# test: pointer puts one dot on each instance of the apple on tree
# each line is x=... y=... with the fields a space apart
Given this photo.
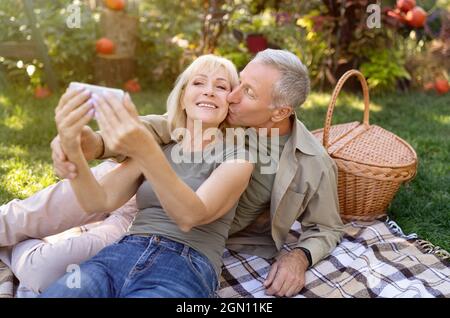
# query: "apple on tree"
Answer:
x=105 y=46
x=132 y=86
x=117 y=5
x=41 y=92
x=441 y=85
x=416 y=17
x=406 y=5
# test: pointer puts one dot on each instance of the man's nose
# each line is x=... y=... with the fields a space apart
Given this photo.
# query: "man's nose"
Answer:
x=233 y=97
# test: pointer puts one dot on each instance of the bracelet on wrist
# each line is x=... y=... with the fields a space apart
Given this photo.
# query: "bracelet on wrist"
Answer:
x=307 y=254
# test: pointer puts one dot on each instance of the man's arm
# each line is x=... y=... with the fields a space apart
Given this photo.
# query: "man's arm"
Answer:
x=322 y=231
x=321 y=223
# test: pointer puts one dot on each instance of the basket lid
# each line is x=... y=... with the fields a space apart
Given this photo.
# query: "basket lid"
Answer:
x=363 y=143
x=370 y=145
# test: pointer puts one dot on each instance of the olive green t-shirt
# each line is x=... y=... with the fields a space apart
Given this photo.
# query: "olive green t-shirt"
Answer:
x=256 y=198
x=208 y=239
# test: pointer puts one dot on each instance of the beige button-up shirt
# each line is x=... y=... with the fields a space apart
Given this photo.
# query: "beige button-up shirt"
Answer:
x=304 y=189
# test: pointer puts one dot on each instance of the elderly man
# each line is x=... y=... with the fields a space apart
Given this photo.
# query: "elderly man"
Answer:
x=303 y=186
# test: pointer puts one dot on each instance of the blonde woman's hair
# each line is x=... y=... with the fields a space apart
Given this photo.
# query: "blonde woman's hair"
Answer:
x=205 y=63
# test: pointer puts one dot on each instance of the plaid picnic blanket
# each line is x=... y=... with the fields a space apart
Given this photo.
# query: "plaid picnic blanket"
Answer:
x=375 y=259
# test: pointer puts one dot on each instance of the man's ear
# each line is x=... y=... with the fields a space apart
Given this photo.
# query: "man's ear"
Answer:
x=280 y=113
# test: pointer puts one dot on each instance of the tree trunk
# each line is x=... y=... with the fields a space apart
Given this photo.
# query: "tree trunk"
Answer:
x=115 y=69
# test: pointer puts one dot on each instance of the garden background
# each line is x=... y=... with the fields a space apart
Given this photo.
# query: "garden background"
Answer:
x=406 y=61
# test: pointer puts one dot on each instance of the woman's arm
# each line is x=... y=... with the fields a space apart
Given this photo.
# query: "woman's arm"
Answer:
x=111 y=192
x=72 y=113
x=124 y=133
x=214 y=198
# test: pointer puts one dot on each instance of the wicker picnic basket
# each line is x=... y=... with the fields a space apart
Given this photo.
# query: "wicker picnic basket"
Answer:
x=372 y=162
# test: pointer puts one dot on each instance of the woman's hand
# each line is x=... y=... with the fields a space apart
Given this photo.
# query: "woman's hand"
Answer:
x=73 y=112
x=121 y=129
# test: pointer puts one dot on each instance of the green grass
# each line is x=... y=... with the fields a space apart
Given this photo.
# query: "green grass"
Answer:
x=26 y=129
x=422 y=206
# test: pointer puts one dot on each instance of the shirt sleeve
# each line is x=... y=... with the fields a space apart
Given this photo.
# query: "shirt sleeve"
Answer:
x=237 y=152
x=321 y=222
x=158 y=127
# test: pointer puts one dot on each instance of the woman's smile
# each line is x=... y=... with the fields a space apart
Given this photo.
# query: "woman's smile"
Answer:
x=207 y=105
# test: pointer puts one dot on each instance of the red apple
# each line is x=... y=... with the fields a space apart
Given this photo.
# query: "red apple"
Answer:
x=397 y=14
x=406 y=5
x=117 y=5
x=416 y=17
x=442 y=86
x=105 y=46
x=132 y=86
x=41 y=92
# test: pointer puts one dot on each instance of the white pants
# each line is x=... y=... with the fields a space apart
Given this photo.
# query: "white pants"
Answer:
x=44 y=234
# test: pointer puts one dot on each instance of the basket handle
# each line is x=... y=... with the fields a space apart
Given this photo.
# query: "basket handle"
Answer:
x=337 y=90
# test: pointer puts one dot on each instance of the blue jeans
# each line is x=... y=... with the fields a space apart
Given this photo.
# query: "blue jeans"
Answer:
x=141 y=266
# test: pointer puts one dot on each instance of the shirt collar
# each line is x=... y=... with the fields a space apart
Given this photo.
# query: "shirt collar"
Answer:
x=302 y=138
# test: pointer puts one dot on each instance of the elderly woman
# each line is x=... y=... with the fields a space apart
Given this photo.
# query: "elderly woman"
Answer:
x=175 y=244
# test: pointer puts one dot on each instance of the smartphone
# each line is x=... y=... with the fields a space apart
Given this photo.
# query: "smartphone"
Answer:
x=95 y=89
x=98 y=89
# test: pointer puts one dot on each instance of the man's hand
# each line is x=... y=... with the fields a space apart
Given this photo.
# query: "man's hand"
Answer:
x=287 y=274
x=91 y=144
